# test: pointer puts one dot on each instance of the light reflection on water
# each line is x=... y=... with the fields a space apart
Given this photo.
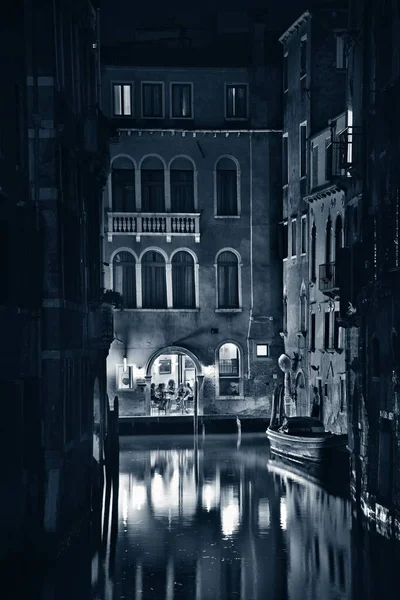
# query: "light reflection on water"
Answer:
x=215 y=521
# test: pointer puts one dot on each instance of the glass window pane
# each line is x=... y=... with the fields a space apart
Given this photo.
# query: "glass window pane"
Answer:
x=117 y=100
x=127 y=100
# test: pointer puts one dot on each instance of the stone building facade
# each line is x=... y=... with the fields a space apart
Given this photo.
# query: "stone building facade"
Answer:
x=53 y=161
x=189 y=214
x=313 y=93
x=368 y=274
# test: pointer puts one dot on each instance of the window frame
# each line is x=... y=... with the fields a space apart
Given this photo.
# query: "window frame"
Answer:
x=303 y=44
x=240 y=372
x=168 y=290
x=132 y=98
x=302 y=151
x=261 y=356
x=238 y=188
x=150 y=82
x=235 y=84
x=341 y=58
x=195 y=286
x=117 y=378
x=303 y=238
x=113 y=273
x=171 y=104
x=239 y=308
x=285 y=160
x=293 y=221
x=285 y=240
x=285 y=73
x=314 y=165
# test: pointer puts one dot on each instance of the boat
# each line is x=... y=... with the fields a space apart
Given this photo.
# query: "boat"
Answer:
x=304 y=439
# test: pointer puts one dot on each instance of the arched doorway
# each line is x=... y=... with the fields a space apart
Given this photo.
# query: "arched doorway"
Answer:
x=173 y=375
x=301 y=395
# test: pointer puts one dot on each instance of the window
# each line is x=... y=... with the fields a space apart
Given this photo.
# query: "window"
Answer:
x=341 y=51
x=302 y=310
x=227 y=188
x=328 y=159
x=262 y=350
x=285 y=313
x=183 y=288
x=124 y=278
x=122 y=99
x=152 y=100
x=123 y=185
x=236 y=101
x=294 y=237
x=327 y=330
x=124 y=377
x=338 y=235
x=181 y=101
x=312 y=331
x=229 y=370
x=328 y=241
x=303 y=150
x=303 y=234
x=182 y=186
x=154 y=287
x=303 y=57
x=285 y=73
x=337 y=332
x=152 y=182
x=313 y=252
x=314 y=165
x=285 y=160
x=228 y=280
x=342 y=393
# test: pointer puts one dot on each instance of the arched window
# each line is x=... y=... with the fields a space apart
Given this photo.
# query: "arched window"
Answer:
x=302 y=310
x=328 y=241
x=182 y=186
x=152 y=185
x=227 y=188
x=285 y=312
x=124 y=278
x=154 y=289
x=313 y=252
x=183 y=288
x=123 y=185
x=375 y=357
x=338 y=235
x=229 y=370
x=228 y=280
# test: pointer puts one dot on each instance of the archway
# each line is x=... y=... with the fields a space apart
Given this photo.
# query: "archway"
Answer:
x=173 y=376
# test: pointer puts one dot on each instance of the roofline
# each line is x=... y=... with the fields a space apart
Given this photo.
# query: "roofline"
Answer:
x=295 y=26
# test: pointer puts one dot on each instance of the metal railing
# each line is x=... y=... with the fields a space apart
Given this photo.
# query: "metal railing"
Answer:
x=346 y=152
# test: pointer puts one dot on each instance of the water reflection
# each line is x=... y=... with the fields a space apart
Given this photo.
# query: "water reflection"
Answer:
x=214 y=521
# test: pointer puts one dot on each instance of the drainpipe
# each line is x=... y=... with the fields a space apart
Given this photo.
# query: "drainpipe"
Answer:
x=251 y=256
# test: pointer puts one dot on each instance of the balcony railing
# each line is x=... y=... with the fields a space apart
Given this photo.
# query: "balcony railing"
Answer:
x=327 y=279
x=161 y=224
x=346 y=153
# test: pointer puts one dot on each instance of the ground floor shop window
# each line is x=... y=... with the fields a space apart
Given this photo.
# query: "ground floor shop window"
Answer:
x=229 y=370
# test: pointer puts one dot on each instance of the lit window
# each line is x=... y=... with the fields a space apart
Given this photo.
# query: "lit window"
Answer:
x=262 y=350
x=229 y=370
x=122 y=99
x=124 y=377
x=181 y=99
x=236 y=101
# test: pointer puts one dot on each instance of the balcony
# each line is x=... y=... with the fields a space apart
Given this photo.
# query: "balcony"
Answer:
x=345 y=154
x=327 y=280
x=140 y=224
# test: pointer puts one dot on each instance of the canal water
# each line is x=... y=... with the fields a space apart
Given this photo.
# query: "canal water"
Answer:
x=218 y=519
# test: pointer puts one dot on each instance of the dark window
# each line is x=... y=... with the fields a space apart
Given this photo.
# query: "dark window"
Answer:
x=181 y=101
x=153 y=197
x=303 y=235
x=294 y=237
x=313 y=252
x=338 y=235
x=229 y=370
x=152 y=100
x=182 y=191
x=336 y=331
x=385 y=468
x=123 y=190
x=227 y=196
x=228 y=280
x=341 y=51
x=285 y=239
x=313 y=332
x=328 y=159
x=328 y=241
x=285 y=73
x=303 y=150
x=303 y=57
x=154 y=288
x=327 y=331
x=314 y=163
x=285 y=314
x=285 y=160
x=183 y=287
x=122 y=98
x=236 y=101
x=124 y=278
x=303 y=311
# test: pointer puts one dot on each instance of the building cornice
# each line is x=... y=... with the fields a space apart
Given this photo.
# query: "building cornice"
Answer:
x=294 y=27
x=321 y=193
x=128 y=131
